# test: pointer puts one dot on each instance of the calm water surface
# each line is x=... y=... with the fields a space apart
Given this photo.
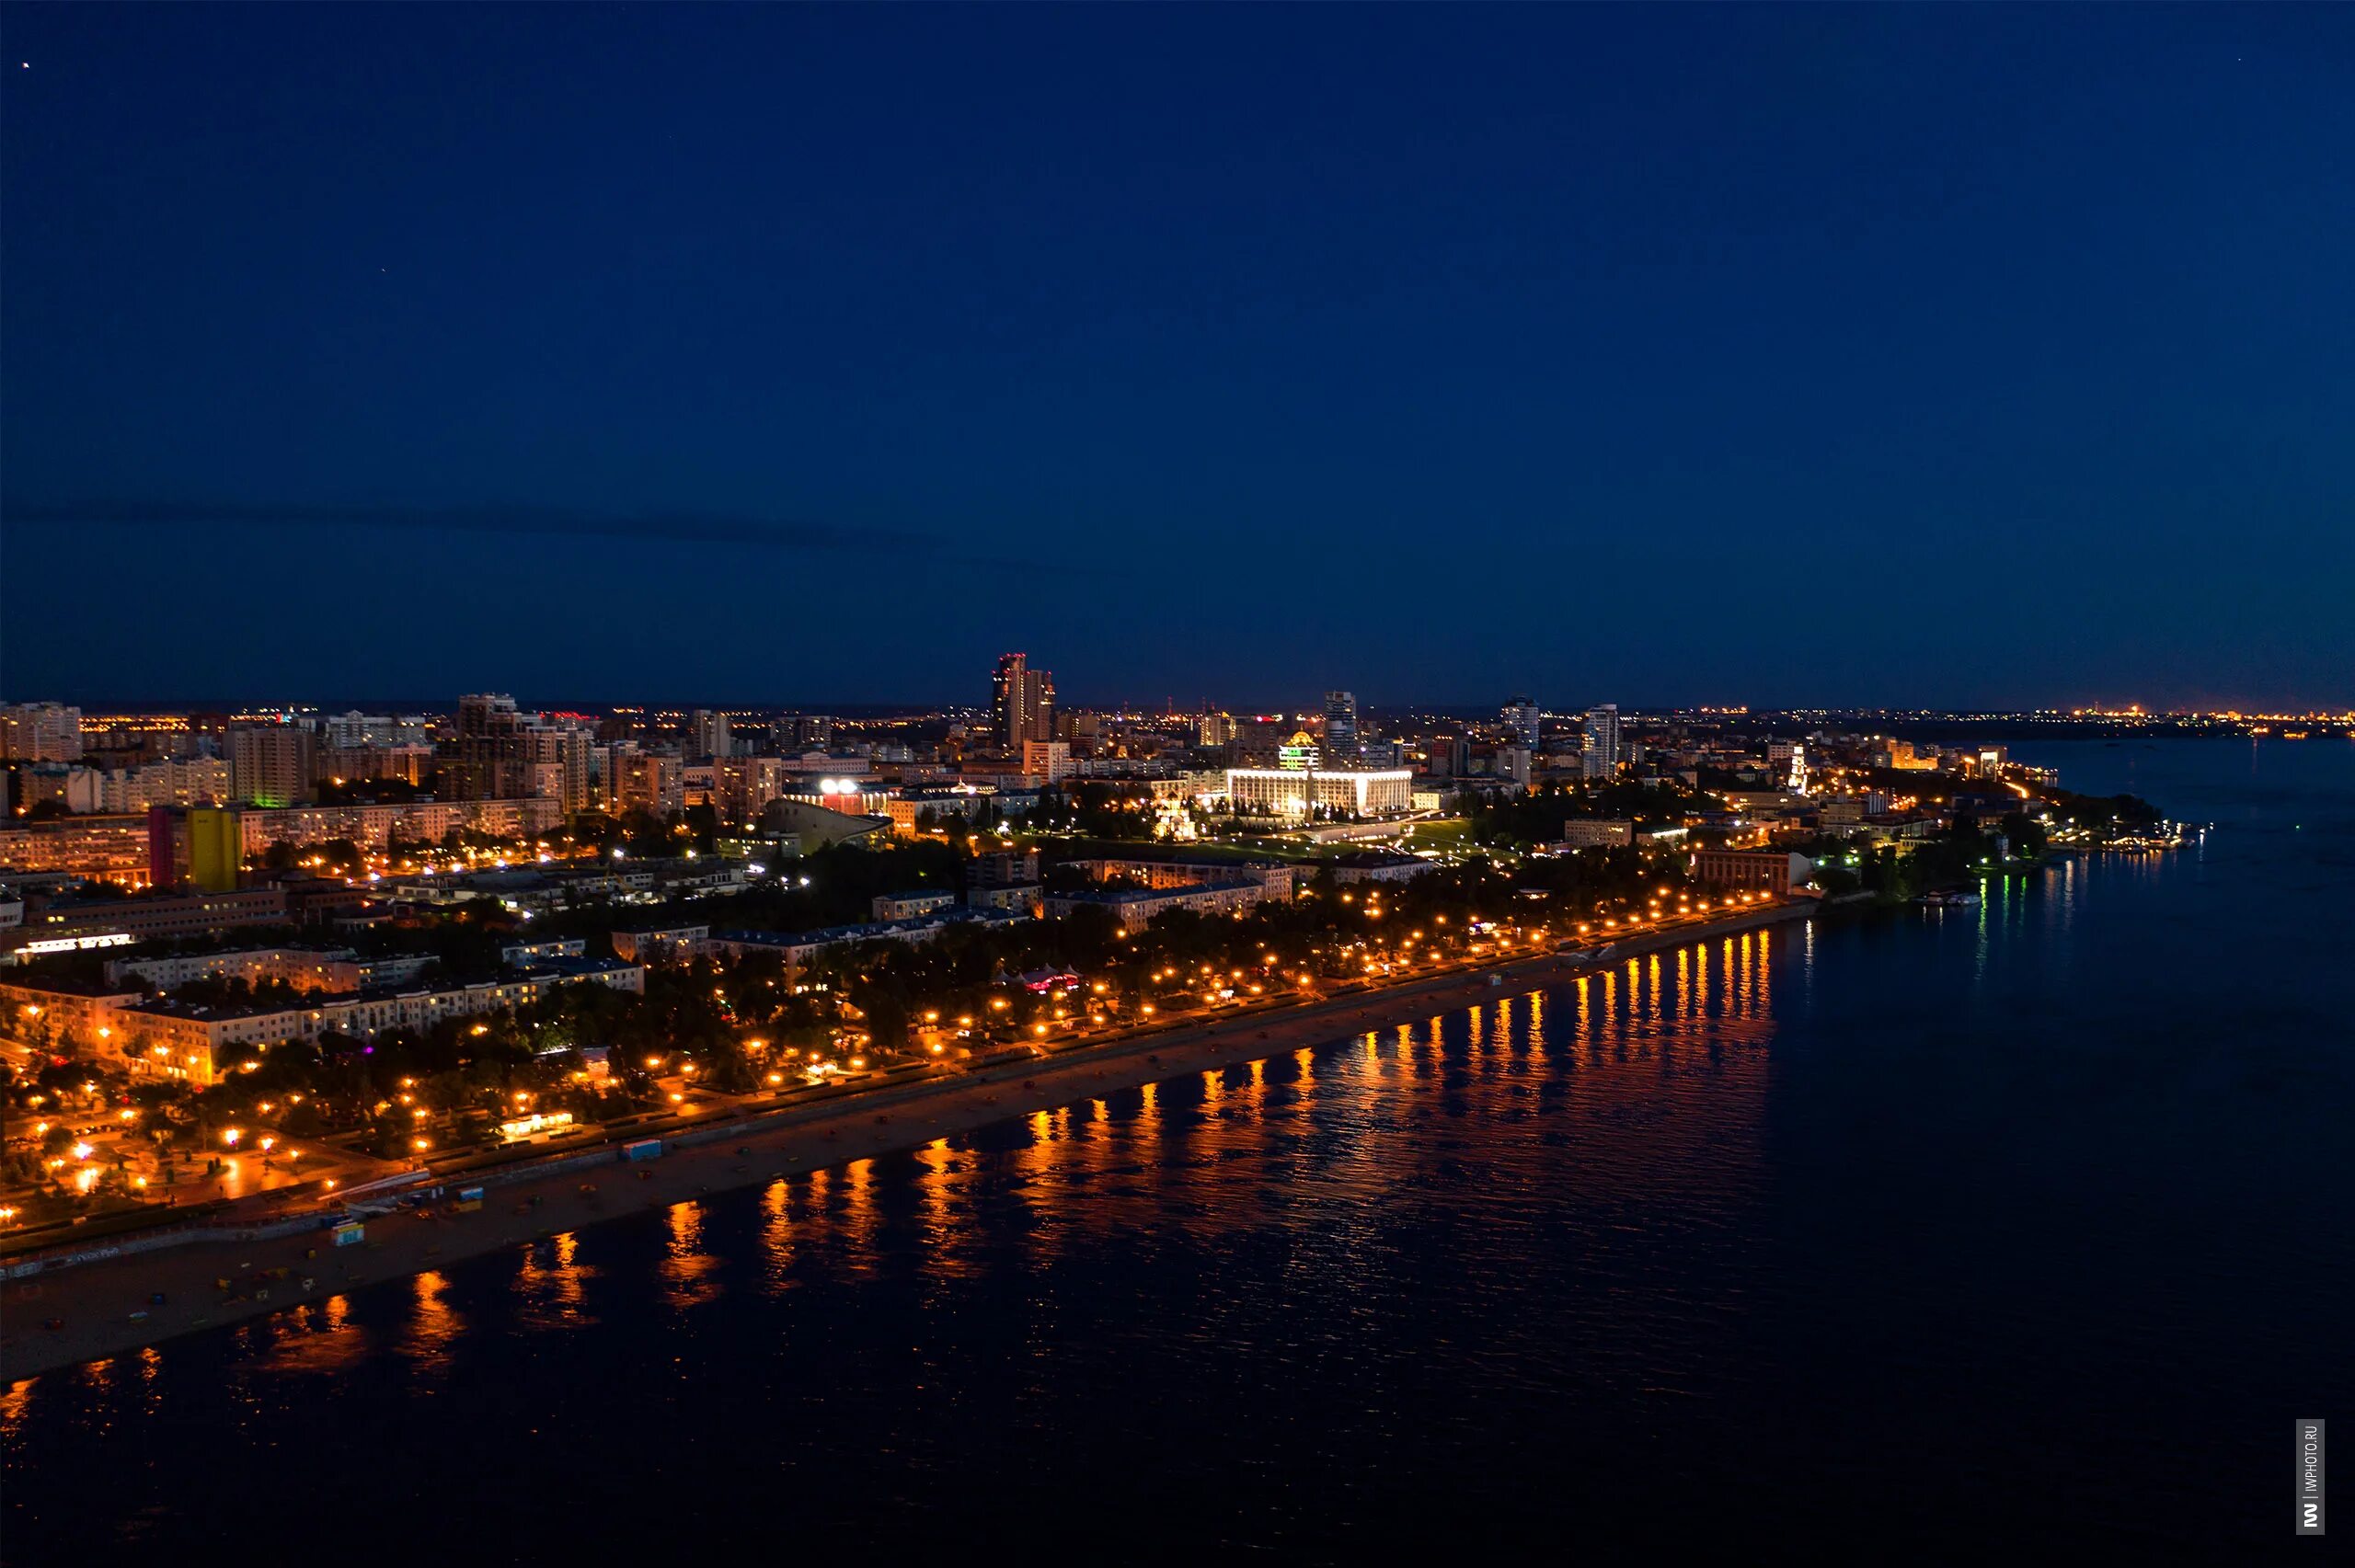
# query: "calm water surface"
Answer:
x=1933 y=1229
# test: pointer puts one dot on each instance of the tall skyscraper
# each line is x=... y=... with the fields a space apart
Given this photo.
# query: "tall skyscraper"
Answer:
x=1341 y=728
x=1022 y=702
x=1602 y=748
x=1521 y=716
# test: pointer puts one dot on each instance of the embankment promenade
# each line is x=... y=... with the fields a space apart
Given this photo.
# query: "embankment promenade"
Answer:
x=91 y=1302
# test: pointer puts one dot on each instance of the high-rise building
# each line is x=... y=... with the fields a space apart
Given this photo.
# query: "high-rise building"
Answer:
x=649 y=782
x=270 y=764
x=1216 y=729
x=484 y=761
x=1022 y=702
x=356 y=728
x=1341 y=728
x=41 y=732
x=485 y=713
x=804 y=730
x=559 y=758
x=215 y=849
x=710 y=734
x=1786 y=762
x=1601 y=748
x=1047 y=760
x=501 y=754
x=1521 y=716
x=744 y=786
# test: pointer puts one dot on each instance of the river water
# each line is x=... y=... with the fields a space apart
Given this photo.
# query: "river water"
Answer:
x=1908 y=1235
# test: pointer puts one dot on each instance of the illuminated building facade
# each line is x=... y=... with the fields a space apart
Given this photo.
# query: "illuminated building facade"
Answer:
x=1294 y=792
x=1047 y=760
x=270 y=764
x=1601 y=748
x=1022 y=702
x=1772 y=871
x=1521 y=716
x=41 y=732
x=1341 y=726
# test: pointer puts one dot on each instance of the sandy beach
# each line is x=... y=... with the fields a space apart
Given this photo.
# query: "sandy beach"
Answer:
x=94 y=1301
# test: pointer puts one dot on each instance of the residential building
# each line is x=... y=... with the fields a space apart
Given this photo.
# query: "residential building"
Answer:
x=270 y=765
x=119 y=923
x=355 y=729
x=1134 y=908
x=1341 y=728
x=649 y=782
x=1601 y=748
x=41 y=732
x=798 y=948
x=532 y=954
x=1047 y=759
x=1002 y=868
x=1787 y=764
x=42 y=1009
x=502 y=754
x=110 y=848
x=179 y=1040
x=1022 y=702
x=370 y=826
x=665 y=943
x=1176 y=869
x=409 y=763
x=1376 y=865
x=708 y=734
x=210 y=851
x=1523 y=721
x=908 y=905
x=744 y=786
x=304 y=969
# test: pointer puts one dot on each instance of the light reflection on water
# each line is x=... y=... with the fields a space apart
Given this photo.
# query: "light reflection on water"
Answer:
x=552 y=1284
x=435 y=1327
x=318 y=1337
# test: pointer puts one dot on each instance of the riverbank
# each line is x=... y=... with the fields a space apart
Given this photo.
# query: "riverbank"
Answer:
x=94 y=1301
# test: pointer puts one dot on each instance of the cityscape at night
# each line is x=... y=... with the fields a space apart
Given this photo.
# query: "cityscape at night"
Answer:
x=1297 y=783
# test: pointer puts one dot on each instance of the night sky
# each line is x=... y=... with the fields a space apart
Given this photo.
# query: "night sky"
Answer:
x=1928 y=355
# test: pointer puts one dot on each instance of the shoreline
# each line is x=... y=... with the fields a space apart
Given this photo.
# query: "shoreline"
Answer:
x=95 y=1299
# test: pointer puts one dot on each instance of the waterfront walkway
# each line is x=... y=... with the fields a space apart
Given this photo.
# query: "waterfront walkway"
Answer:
x=93 y=1301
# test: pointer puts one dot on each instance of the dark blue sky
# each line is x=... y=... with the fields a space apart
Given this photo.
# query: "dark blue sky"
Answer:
x=1934 y=355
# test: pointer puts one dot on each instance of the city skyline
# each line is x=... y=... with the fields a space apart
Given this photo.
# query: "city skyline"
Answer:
x=1869 y=356
x=876 y=777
